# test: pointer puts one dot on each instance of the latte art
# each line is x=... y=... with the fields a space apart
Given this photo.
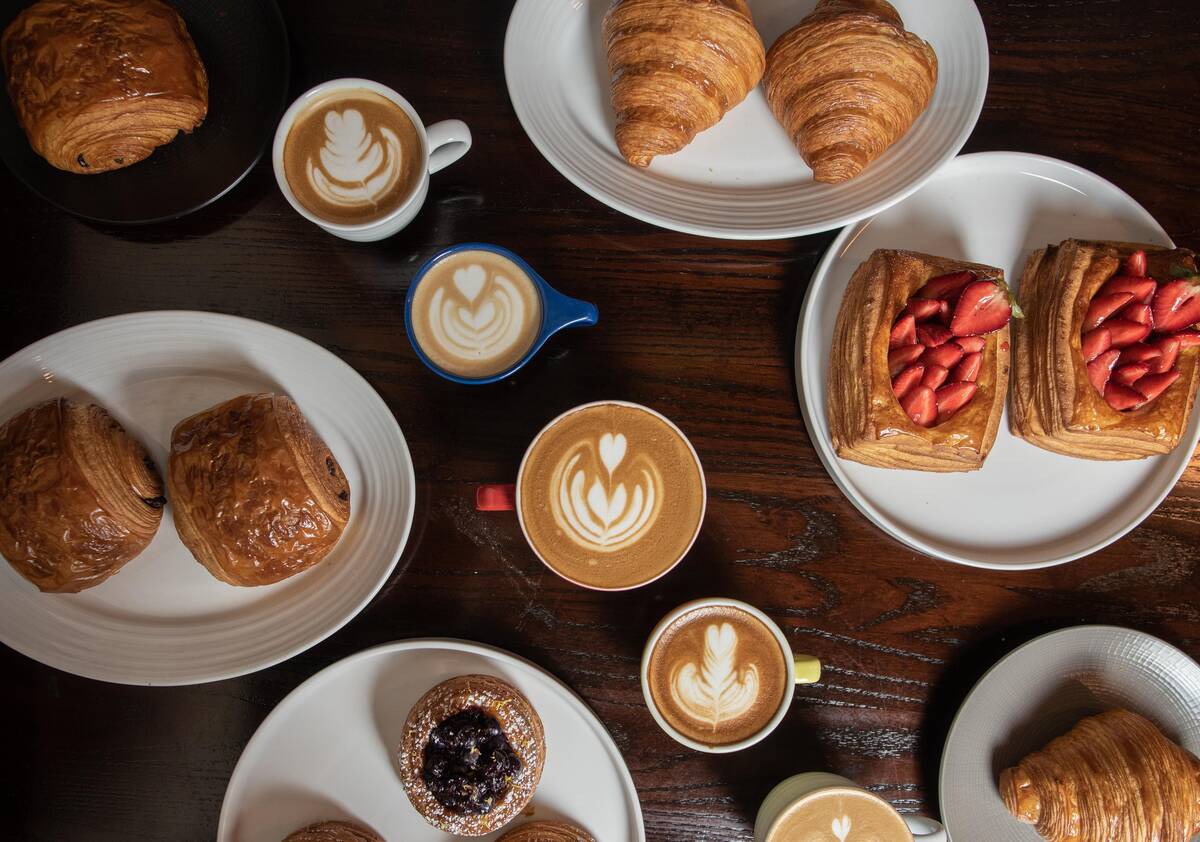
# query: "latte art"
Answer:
x=720 y=688
x=358 y=165
x=613 y=509
x=839 y=814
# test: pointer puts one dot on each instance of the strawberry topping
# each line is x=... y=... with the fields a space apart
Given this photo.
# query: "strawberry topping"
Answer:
x=1122 y=397
x=1127 y=375
x=1141 y=288
x=1094 y=343
x=946 y=286
x=1100 y=369
x=1135 y=264
x=1153 y=385
x=982 y=308
x=935 y=376
x=932 y=335
x=1176 y=305
x=970 y=344
x=901 y=358
x=921 y=406
x=1103 y=306
x=952 y=398
x=904 y=332
x=968 y=370
x=906 y=380
x=1125 y=333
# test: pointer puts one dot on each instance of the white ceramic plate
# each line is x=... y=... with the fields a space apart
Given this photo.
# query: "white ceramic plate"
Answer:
x=1038 y=692
x=328 y=750
x=994 y=208
x=741 y=179
x=163 y=619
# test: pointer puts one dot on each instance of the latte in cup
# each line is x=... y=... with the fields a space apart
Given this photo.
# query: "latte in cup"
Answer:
x=611 y=495
x=717 y=674
x=353 y=157
x=840 y=814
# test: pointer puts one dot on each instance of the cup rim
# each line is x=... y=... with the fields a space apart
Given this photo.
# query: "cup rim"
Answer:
x=844 y=784
x=307 y=98
x=691 y=449
x=789 y=660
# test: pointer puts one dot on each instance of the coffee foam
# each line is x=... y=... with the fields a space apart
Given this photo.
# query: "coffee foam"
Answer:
x=717 y=675
x=475 y=313
x=840 y=814
x=611 y=496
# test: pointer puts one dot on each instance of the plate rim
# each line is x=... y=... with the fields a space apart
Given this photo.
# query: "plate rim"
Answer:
x=455 y=644
x=957 y=166
x=614 y=202
x=88 y=669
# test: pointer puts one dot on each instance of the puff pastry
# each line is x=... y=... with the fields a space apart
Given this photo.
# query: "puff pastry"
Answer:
x=1113 y=777
x=867 y=420
x=99 y=84
x=333 y=832
x=547 y=832
x=256 y=494
x=79 y=497
x=847 y=82
x=1055 y=403
x=677 y=67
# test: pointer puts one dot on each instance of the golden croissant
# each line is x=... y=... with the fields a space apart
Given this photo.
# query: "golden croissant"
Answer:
x=547 y=832
x=333 y=832
x=1112 y=778
x=677 y=67
x=99 y=84
x=846 y=83
x=79 y=497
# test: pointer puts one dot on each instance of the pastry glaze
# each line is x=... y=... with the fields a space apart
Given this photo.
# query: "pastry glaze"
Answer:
x=333 y=832
x=1054 y=405
x=256 y=494
x=99 y=84
x=846 y=83
x=547 y=832
x=677 y=67
x=1113 y=777
x=79 y=497
x=866 y=421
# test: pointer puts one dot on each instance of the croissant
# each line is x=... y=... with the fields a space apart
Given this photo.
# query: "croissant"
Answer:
x=1105 y=363
x=79 y=497
x=547 y=832
x=1113 y=777
x=677 y=67
x=256 y=494
x=99 y=84
x=846 y=83
x=333 y=832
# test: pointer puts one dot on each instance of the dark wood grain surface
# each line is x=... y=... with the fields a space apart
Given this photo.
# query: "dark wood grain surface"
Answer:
x=700 y=329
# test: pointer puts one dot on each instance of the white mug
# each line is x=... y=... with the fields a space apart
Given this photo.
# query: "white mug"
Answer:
x=441 y=145
x=799 y=787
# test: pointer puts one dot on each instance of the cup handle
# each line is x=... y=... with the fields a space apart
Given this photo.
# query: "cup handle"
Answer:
x=926 y=830
x=562 y=311
x=808 y=669
x=449 y=140
x=496 y=497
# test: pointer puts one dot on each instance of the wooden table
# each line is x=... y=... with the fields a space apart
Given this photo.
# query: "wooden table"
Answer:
x=700 y=329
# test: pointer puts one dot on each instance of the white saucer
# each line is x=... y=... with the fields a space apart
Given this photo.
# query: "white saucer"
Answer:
x=741 y=179
x=328 y=750
x=163 y=619
x=1038 y=692
x=1026 y=507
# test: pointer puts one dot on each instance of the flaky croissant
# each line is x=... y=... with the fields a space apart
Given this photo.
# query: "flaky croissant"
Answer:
x=79 y=497
x=256 y=494
x=333 y=832
x=677 y=67
x=847 y=82
x=547 y=832
x=1112 y=778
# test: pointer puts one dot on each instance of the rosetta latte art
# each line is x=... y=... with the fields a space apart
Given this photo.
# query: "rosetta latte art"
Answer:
x=718 y=690
x=476 y=320
x=358 y=165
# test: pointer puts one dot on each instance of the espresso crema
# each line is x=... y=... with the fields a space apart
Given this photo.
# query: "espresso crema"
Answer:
x=840 y=814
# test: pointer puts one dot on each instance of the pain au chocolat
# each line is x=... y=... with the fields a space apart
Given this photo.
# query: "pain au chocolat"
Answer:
x=100 y=84
x=1106 y=362
x=256 y=494
x=919 y=366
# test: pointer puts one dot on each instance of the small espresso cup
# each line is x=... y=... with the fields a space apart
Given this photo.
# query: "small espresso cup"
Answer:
x=441 y=145
x=794 y=793
x=723 y=672
x=557 y=311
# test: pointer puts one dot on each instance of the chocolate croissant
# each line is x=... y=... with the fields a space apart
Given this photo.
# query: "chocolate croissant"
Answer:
x=1113 y=777
x=846 y=83
x=79 y=497
x=333 y=832
x=256 y=494
x=677 y=67
x=99 y=84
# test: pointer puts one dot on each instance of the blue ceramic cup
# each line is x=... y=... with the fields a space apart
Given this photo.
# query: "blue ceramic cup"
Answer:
x=473 y=305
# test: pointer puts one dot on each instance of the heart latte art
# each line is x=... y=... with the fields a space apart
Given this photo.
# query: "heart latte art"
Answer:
x=839 y=814
x=607 y=510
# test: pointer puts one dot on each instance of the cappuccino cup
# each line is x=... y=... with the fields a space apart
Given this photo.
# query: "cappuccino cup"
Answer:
x=353 y=157
x=718 y=675
x=820 y=807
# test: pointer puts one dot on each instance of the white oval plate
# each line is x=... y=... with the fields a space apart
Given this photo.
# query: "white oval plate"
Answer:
x=328 y=750
x=1038 y=692
x=742 y=179
x=163 y=619
x=1026 y=507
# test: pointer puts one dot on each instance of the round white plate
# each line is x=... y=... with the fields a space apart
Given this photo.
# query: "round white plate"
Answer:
x=742 y=179
x=1026 y=507
x=1038 y=692
x=163 y=619
x=328 y=750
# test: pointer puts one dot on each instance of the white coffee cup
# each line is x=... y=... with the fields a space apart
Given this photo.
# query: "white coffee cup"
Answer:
x=441 y=145
x=802 y=786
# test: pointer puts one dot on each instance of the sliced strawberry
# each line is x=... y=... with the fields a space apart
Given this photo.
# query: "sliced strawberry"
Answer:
x=968 y=370
x=1139 y=353
x=1095 y=342
x=982 y=308
x=922 y=308
x=971 y=344
x=1153 y=385
x=921 y=406
x=943 y=315
x=1142 y=288
x=946 y=286
x=952 y=398
x=901 y=358
x=1136 y=312
x=935 y=376
x=1176 y=305
x=904 y=332
x=906 y=380
x=947 y=356
x=1188 y=338
x=1170 y=347
x=1123 y=397
x=1127 y=375
x=932 y=335
x=1125 y=333
x=1100 y=369
x=1103 y=306
x=1135 y=264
